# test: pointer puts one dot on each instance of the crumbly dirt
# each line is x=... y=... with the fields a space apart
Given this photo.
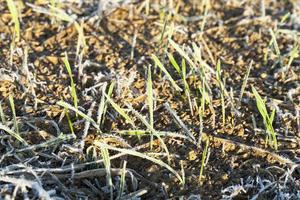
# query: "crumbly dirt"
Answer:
x=240 y=164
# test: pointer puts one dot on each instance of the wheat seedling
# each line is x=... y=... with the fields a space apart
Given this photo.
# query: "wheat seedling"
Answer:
x=186 y=86
x=203 y=160
x=274 y=42
x=245 y=81
x=13 y=134
x=293 y=54
x=182 y=173
x=109 y=94
x=69 y=121
x=205 y=99
x=206 y=5
x=222 y=88
x=62 y=15
x=143 y=120
x=15 y=18
x=122 y=180
x=106 y=162
x=141 y=155
x=182 y=73
x=146 y=133
x=78 y=112
x=182 y=53
x=120 y=110
x=162 y=68
x=174 y=63
x=73 y=88
x=267 y=119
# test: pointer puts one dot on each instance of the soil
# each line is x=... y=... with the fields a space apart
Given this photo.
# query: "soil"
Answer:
x=240 y=163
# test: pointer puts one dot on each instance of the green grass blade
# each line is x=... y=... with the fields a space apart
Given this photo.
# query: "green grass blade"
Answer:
x=13 y=134
x=143 y=120
x=109 y=93
x=120 y=110
x=69 y=121
x=73 y=87
x=52 y=142
x=162 y=68
x=15 y=18
x=106 y=162
x=268 y=119
x=204 y=155
x=245 y=80
x=181 y=52
x=81 y=114
x=206 y=4
x=260 y=104
x=274 y=41
x=122 y=181
x=174 y=63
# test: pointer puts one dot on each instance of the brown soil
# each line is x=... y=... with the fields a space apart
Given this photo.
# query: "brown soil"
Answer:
x=235 y=33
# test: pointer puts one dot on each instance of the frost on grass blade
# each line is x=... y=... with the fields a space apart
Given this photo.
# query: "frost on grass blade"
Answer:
x=106 y=162
x=12 y=133
x=150 y=96
x=141 y=155
x=81 y=114
x=12 y=105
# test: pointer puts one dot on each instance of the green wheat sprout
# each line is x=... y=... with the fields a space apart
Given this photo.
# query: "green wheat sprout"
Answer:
x=73 y=87
x=15 y=18
x=204 y=158
x=162 y=68
x=120 y=110
x=267 y=119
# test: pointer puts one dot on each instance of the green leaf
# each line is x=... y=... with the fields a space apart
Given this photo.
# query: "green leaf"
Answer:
x=174 y=63
x=162 y=68
x=120 y=110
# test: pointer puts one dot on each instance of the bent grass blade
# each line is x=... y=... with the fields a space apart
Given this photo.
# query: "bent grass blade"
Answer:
x=81 y=114
x=13 y=134
x=140 y=155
